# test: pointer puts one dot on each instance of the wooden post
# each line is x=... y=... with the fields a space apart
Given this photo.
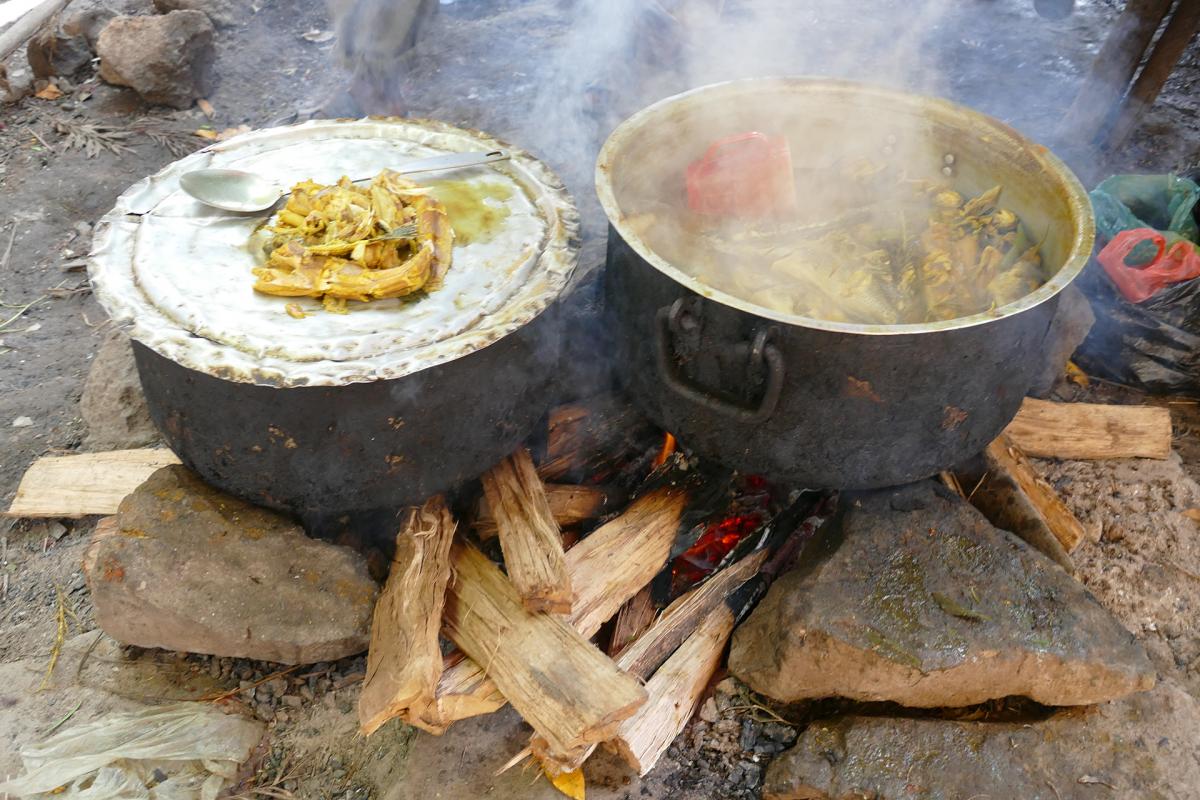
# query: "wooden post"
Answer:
x=529 y=536
x=1112 y=71
x=405 y=659
x=1162 y=62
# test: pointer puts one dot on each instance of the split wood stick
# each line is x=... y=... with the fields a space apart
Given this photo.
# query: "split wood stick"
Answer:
x=632 y=620
x=563 y=686
x=86 y=483
x=1043 y=429
x=1005 y=458
x=569 y=505
x=649 y=651
x=995 y=493
x=674 y=693
x=529 y=536
x=404 y=661
x=606 y=569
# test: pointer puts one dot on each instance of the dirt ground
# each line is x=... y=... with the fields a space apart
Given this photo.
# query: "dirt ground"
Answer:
x=478 y=64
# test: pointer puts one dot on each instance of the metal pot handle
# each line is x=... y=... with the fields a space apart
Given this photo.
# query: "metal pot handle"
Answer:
x=675 y=317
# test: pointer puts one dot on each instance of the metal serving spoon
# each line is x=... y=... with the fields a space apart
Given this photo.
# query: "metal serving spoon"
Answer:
x=235 y=190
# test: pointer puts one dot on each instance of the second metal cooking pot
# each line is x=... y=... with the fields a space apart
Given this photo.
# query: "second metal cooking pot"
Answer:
x=813 y=402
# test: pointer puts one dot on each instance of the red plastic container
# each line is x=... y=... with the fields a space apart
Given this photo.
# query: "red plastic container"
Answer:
x=747 y=175
x=1178 y=263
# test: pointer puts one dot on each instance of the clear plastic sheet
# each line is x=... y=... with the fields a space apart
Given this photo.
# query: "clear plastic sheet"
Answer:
x=185 y=751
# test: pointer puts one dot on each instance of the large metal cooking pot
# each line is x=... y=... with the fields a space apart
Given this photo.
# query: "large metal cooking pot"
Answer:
x=331 y=413
x=818 y=403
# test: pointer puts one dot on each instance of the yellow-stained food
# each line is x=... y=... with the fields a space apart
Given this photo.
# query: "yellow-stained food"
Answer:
x=902 y=252
x=347 y=242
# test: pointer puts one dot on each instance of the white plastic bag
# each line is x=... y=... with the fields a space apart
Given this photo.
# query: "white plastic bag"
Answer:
x=185 y=751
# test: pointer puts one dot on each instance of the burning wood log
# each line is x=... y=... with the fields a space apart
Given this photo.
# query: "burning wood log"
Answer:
x=606 y=569
x=565 y=688
x=1014 y=497
x=405 y=660
x=529 y=536
x=674 y=693
x=569 y=505
x=632 y=620
x=681 y=621
x=1043 y=429
x=597 y=440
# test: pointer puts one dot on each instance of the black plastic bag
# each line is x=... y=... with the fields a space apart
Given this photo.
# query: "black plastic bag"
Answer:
x=1154 y=345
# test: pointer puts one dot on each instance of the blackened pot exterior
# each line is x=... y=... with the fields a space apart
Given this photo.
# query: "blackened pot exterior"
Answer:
x=849 y=411
x=321 y=451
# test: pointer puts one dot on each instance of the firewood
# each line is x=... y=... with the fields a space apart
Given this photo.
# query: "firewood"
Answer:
x=595 y=439
x=674 y=693
x=563 y=686
x=648 y=652
x=529 y=536
x=1043 y=429
x=606 y=569
x=86 y=483
x=996 y=494
x=405 y=660
x=569 y=505
x=682 y=617
x=632 y=621
x=1006 y=459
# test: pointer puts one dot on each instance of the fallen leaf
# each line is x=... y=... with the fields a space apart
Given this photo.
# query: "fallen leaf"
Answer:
x=206 y=107
x=206 y=133
x=570 y=783
x=50 y=92
x=1193 y=514
x=317 y=36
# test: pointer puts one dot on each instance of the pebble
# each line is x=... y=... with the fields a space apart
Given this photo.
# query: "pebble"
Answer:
x=23 y=422
x=708 y=711
x=214 y=668
x=295 y=701
x=751 y=774
x=751 y=730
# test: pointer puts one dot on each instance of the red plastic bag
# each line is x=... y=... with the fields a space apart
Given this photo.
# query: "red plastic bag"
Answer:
x=1154 y=267
x=746 y=175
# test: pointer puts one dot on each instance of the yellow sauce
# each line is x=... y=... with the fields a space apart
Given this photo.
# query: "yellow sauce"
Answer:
x=473 y=218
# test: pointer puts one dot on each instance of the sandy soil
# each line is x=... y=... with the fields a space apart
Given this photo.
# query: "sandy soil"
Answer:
x=1145 y=565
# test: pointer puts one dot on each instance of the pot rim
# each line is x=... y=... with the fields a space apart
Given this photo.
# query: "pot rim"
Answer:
x=1079 y=206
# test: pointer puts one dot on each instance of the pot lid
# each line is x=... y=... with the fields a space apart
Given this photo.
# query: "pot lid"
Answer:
x=176 y=274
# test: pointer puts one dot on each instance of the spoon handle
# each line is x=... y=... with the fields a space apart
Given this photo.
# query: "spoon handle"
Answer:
x=449 y=161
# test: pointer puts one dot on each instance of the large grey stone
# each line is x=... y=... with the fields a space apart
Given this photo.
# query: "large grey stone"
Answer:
x=113 y=405
x=166 y=59
x=188 y=568
x=917 y=599
x=1143 y=747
